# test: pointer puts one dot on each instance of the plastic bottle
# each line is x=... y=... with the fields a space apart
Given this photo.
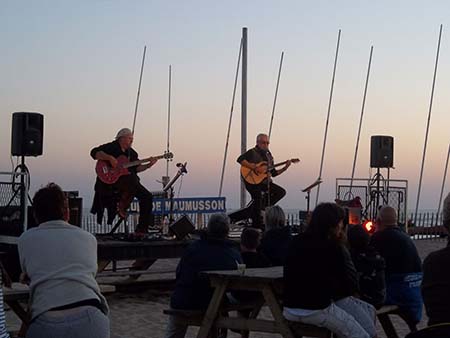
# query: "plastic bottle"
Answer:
x=165 y=226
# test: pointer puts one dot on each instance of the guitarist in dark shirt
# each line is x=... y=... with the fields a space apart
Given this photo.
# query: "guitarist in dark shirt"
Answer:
x=259 y=159
x=128 y=186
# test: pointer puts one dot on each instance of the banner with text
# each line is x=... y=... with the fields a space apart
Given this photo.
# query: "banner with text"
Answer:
x=190 y=205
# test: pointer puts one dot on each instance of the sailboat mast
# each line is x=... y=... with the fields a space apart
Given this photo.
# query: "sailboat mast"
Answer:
x=139 y=90
x=428 y=124
x=360 y=122
x=328 y=115
x=168 y=119
x=244 y=107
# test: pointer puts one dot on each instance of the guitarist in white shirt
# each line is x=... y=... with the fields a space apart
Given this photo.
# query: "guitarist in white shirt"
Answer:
x=128 y=185
x=259 y=160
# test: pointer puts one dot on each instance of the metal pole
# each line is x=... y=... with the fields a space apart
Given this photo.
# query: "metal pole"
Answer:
x=328 y=114
x=360 y=122
x=244 y=107
x=428 y=123
x=276 y=94
x=168 y=119
x=230 y=119
x=443 y=182
x=139 y=90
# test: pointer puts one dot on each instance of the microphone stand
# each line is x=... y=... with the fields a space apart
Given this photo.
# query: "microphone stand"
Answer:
x=269 y=165
x=308 y=192
x=169 y=186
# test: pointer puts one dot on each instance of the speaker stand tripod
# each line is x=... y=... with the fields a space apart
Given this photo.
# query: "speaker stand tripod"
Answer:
x=378 y=194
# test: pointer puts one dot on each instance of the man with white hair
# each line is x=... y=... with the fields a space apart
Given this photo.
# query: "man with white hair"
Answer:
x=128 y=186
x=259 y=159
x=403 y=265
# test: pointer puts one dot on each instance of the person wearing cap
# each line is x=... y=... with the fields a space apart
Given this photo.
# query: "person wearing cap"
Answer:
x=128 y=186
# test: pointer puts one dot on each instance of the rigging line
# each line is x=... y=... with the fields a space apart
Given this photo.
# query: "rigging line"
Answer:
x=428 y=123
x=168 y=120
x=276 y=93
x=328 y=114
x=139 y=90
x=360 y=121
x=230 y=119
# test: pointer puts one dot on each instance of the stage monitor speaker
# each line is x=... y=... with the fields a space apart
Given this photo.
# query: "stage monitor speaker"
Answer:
x=381 y=151
x=182 y=227
x=76 y=211
x=27 y=134
x=10 y=224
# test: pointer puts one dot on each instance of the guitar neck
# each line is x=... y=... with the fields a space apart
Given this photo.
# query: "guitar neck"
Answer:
x=139 y=162
x=279 y=164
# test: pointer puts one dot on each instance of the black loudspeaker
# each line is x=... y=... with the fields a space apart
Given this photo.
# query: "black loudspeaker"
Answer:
x=182 y=227
x=381 y=151
x=76 y=210
x=27 y=134
x=10 y=220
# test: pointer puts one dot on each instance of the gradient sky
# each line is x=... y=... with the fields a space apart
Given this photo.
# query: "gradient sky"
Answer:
x=78 y=64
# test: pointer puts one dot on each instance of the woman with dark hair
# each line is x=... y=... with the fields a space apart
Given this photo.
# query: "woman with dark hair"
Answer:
x=320 y=279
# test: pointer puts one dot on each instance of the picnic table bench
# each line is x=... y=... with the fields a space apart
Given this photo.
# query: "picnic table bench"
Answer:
x=267 y=281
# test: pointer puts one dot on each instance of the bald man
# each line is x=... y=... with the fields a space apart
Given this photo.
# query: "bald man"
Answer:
x=403 y=265
x=436 y=278
x=250 y=159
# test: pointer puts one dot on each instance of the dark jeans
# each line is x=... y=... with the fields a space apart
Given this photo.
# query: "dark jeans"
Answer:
x=129 y=187
x=259 y=203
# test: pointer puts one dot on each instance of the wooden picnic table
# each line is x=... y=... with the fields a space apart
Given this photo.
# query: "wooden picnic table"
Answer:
x=268 y=281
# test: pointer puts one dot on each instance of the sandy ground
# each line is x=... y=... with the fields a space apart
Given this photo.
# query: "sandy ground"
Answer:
x=139 y=314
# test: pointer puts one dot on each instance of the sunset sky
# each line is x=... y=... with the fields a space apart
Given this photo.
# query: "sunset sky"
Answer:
x=78 y=64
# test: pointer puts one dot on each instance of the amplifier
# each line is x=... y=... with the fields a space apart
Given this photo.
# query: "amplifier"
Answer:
x=10 y=220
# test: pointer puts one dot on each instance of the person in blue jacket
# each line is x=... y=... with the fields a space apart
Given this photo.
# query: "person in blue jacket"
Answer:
x=212 y=252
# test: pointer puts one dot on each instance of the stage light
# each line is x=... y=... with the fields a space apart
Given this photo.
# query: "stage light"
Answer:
x=369 y=226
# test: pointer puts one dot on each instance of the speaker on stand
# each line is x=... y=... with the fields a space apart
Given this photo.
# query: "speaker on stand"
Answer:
x=381 y=156
x=27 y=135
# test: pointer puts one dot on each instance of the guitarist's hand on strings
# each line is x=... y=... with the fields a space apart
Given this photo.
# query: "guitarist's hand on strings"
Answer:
x=152 y=161
x=260 y=168
x=113 y=161
x=287 y=165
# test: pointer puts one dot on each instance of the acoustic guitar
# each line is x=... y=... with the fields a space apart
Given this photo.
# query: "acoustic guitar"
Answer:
x=110 y=175
x=256 y=176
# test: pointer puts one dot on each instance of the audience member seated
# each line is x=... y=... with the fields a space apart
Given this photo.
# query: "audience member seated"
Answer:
x=370 y=266
x=250 y=240
x=59 y=261
x=3 y=332
x=403 y=265
x=277 y=237
x=212 y=252
x=436 y=279
x=320 y=279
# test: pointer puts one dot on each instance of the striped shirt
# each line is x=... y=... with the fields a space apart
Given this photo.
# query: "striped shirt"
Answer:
x=3 y=332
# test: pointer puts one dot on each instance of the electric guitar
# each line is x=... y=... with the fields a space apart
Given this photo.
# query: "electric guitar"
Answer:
x=256 y=176
x=110 y=175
